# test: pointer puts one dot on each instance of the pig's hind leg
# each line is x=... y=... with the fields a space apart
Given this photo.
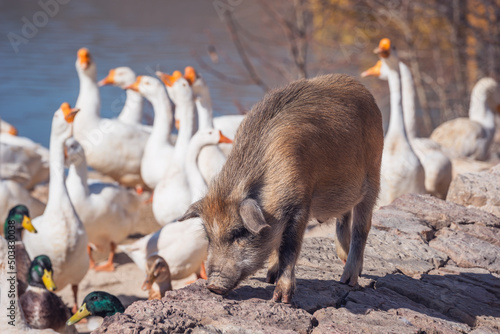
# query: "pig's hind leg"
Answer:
x=343 y=236
x=361 y=224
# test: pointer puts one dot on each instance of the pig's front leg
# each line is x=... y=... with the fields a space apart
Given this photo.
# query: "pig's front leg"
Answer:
x=273 y=266
x=288 y=253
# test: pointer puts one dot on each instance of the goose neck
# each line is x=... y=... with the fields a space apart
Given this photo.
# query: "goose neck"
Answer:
x=396 y=124
x=132 y=107
x=480 y=111
x=57 y=187
x=77 y=179
x=186 y=118
x=162 y=124
x=408 y=101
x=89 y=100
x=197 y=183
x=204 y=108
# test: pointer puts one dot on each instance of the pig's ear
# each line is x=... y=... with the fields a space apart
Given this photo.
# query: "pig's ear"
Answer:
x=252 y=216
x=192 y=212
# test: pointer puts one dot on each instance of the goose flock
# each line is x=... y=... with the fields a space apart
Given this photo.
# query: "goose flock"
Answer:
x=54 y=241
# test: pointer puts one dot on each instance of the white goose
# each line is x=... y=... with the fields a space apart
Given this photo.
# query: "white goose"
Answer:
x=12 y=193
x=159 y=150
x=402 y=172
x=201 y=140
x=172 y=195
x=23 y=164
x=471 y=137
x=183 y=245
x=61 y=235
x=6 y=127
x=23 y=160
x=107 y=210
x=123 y=77
x=211 y=157
x=228 y=124
x=437 y=166
x=111 y=146
x=12 y=317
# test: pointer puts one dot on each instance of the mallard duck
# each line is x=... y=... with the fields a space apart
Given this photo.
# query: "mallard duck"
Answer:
x=17 y=221
x=107 y=210
x=111 y=147
x=122 y=77
x=158 y=279
x=61 y=234
x=12 y=319
x=42 y=308
x=97 y=303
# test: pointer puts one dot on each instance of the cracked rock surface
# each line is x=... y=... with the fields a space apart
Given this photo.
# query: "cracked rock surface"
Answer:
x=430 y=267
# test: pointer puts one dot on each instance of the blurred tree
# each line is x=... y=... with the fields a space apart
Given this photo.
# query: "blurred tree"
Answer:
x=448 y=45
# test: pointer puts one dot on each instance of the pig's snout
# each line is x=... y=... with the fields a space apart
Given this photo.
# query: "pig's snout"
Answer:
x=218 y=284
x=217 y=289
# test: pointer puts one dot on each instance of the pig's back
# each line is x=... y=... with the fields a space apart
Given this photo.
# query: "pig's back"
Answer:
x=307 y=138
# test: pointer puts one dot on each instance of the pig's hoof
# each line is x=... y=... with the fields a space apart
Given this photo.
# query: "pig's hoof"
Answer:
x=350 y=280
x=279 y=296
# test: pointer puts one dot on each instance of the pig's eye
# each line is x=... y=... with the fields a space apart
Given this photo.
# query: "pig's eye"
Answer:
x=239 y=233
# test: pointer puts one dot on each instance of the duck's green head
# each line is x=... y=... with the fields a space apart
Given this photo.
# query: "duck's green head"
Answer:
x=97 y=303
x=40 y=273
x=17 y=219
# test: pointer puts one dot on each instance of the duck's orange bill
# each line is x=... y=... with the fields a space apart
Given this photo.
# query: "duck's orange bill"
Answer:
x=69 y=113
x=373 y=71
x=384 y=47
x=224 y=139
x=12 y=130
x=84 y=57
x=135 y=85
x=190 y=74
x=109 y=80
x=169 y=80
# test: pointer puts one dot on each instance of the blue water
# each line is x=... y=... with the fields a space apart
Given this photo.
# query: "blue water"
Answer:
x=145 y=35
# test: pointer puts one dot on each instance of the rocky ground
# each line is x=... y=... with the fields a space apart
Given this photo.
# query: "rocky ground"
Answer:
x=431 y=266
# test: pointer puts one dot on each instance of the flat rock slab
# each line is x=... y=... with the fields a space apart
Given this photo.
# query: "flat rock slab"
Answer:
x=436 y=213
x=430 y=266
x=481 y=189
x=244 y=310
x=467 y=250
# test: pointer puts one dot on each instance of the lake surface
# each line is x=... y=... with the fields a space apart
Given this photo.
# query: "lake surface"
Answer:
x=38 y=73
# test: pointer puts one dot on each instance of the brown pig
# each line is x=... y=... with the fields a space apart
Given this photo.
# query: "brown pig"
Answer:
x=309 y=150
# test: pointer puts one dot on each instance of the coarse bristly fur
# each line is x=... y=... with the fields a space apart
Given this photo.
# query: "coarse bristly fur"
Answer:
x=312 y=149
